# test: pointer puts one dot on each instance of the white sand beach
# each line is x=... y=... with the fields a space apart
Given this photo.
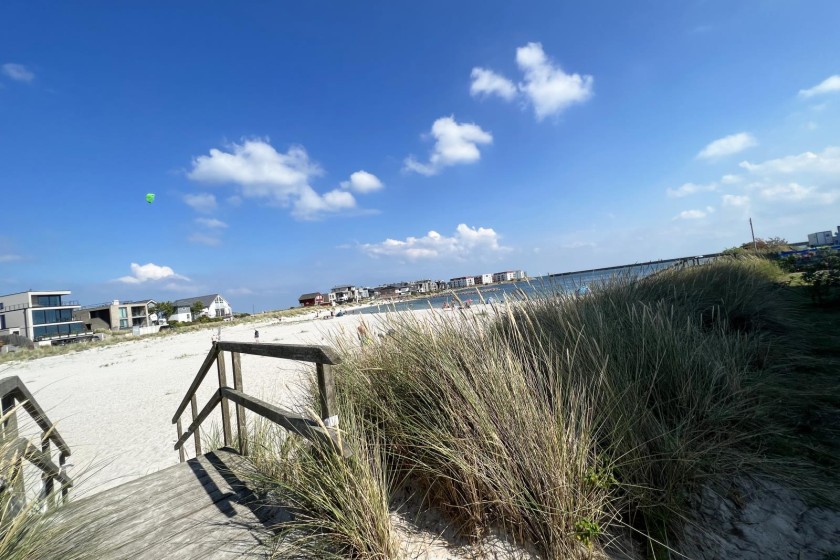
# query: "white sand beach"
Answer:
x=114 y=404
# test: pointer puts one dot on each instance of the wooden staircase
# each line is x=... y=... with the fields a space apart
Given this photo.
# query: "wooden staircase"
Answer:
x=201 y=508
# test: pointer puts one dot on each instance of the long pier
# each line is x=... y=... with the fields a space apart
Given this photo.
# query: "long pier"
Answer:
x=695 y=258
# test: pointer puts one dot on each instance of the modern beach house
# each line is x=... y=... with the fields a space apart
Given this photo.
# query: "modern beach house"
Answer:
x=44 y=317
x=117 y=315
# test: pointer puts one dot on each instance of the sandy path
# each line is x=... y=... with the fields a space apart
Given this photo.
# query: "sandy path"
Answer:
x=114 y=404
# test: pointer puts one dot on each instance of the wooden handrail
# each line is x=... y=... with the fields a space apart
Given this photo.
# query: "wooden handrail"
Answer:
x=293 y=422
x=205 y=412
x=300 y=353
x=42 y=460
x=12 y=389
x=325 y=430
x=202 y=371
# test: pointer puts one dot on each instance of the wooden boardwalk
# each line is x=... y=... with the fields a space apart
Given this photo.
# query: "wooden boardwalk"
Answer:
x=203 y=508
x=200 y=509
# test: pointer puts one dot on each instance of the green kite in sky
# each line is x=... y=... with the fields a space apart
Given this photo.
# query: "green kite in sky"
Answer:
x=150 y=198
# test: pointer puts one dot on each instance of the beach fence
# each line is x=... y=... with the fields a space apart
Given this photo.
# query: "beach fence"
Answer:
x=14 y=397
x=323 y=430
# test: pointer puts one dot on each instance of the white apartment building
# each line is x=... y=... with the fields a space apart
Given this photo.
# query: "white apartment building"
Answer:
x=509 y=276
x=484 y=279
x=46 y=318
x=462 y=282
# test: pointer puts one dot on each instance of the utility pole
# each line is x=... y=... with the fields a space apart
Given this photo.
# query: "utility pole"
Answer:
x=755 y=247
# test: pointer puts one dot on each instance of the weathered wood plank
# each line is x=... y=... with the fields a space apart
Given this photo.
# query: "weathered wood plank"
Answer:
x=194 y=426
x=302 y=353
x=198 y=418
x=199 y=377
x=326 y=394
x=220 y=363
x=291 y=421
x=7 y=408
x=199 y=509
x=241 y=425
x=181 y=454
x=37 y=413
x=23 y=449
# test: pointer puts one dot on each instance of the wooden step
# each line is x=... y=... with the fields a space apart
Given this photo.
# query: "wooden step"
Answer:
x=200 y=509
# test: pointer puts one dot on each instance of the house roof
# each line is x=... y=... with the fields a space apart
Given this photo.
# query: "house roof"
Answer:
x=206 y=300
x=313 y=295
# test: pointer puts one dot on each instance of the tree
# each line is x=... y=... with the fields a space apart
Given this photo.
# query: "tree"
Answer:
x=197 y=308
x=165 y=309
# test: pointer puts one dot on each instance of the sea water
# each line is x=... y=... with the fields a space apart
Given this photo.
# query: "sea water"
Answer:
x=536 y=286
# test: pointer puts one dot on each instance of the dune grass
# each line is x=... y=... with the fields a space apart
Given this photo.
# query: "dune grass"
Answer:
x=557 y=420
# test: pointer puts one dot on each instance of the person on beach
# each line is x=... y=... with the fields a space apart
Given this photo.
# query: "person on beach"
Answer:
x=256 y=336
x=361 y=331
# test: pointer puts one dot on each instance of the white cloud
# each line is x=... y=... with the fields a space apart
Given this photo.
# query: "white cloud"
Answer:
x=826 y=163
x=690 y=188
x=150 y=272
x=18 y=72
x=829 y=85
x=455 y=143
x=730 y=179
x=210 y=240
x=690 y=215
x=794 y=192
x=202 y=202
x=362 y=182
x=263 y=172
x=211 y=223
x=728 y=145
x=466 y=242
x=546 y=86
x=10 y=257
x=486 y=82
x=735 y=200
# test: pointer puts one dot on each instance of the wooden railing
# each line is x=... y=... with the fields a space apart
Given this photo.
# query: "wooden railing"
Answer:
x=13 y=396
x=323 y=358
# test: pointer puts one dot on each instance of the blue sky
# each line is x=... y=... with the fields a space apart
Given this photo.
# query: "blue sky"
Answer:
x=292 y=148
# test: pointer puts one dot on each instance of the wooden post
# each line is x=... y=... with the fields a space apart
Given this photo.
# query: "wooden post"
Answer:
x=180 y=449
x=241 y=426
x=7 y=406
x=326 y=391
x=10 y=432
x=197 y=433
x=47 y=479
x=220 y=363
x=62 y=459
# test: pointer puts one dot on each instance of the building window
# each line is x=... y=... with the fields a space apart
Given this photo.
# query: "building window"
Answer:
x=47 y=316
x=2 y=319
x=123 y=323
x=123 y=313
x=48 y=301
